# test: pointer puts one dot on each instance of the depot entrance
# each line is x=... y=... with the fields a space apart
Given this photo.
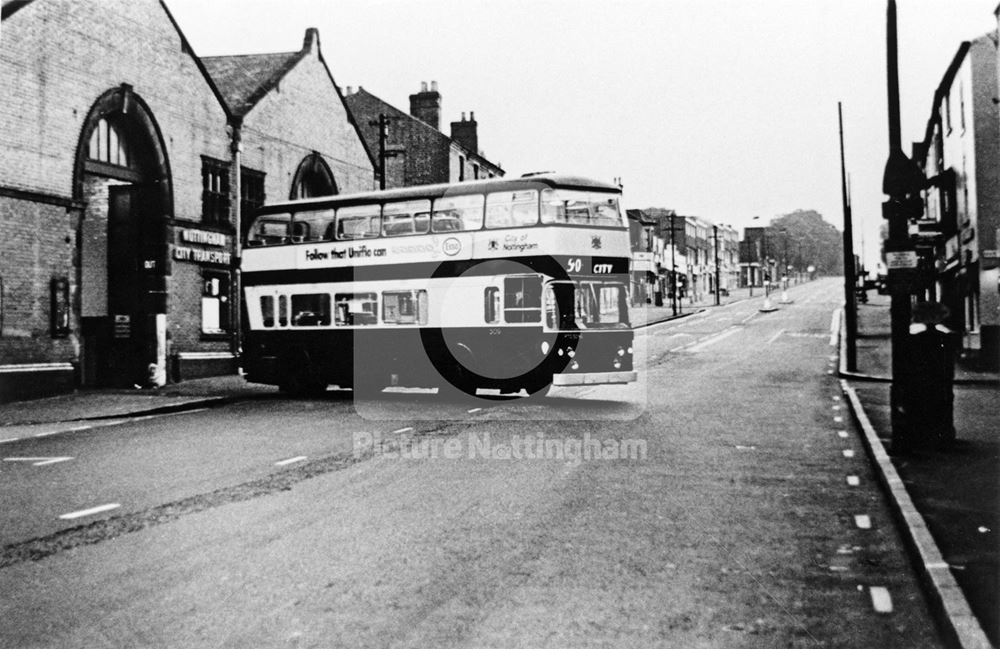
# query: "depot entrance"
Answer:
x=122 y=179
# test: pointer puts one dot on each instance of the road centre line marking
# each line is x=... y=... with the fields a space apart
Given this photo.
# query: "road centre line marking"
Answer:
x=290 y=460
x=402 y=430
x=88 y=512
x=38 y=461
x=51 y=432
x=775 y=336
x=863 y=521
x=11 y=439
x=838 y=419
x=853 y=480
x=842 y=434
x=712 y=340
x=848 y=452
x=472 y=410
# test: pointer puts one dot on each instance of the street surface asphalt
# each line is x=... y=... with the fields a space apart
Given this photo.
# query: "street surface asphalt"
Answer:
x=728 y=516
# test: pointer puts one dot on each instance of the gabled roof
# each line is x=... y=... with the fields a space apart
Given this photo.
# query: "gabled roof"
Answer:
x=367 y=106
x=245 y=79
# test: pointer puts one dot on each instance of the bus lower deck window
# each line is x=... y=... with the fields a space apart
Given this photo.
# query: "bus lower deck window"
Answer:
x=311 y=310
x=356 y=309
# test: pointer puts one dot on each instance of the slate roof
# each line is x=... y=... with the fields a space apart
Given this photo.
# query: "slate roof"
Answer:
x=244 y=79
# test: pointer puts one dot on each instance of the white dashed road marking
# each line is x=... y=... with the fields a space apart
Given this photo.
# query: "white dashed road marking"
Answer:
x=90 y=512
x=291 y=460
x=863 y=522
x=402 y=430
x=853 y=480
x=38 y=461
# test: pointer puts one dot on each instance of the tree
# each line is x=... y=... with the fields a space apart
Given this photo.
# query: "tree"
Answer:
x=802 y=239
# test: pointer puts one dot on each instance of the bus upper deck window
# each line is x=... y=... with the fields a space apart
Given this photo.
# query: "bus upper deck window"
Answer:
x=360 y=222
x=455 y=213
x=269 y=230
x=312 y=226
x=411 y=217
x=580 y=208
x=512 y=209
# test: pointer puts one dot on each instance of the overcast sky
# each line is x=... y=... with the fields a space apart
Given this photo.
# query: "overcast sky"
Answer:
x=725 y=110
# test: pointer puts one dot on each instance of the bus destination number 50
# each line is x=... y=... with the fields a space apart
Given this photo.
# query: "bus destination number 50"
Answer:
x=575 y=265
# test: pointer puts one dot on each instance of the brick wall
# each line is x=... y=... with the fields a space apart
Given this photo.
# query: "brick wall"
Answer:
x=283 y=129
x=38 y=245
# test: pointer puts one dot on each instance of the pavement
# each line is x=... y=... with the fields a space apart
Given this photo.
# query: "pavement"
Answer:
x=947 y=500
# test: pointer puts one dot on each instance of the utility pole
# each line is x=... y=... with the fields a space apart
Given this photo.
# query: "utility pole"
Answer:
x=850 y=276
x=902 y=182
x=383 y=132
x=715 y=235
x=673 y=269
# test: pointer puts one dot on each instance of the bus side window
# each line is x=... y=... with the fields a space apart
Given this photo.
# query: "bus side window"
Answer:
x=409 y=217
x=491 y=304
x=267 y=309
x=282 y=311
x=404 y=307
x=356 y=309
x=311 y=310
x=522 y=299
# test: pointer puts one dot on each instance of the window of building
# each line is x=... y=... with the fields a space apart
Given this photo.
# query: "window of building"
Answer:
x=461 y=167
x=475 y=171
x=404 y=307
x=251 y=191
x=214 y=191
x=522 y=299
x=356 y=309
x=311 y=310
x=215 y=302
x=108 y=144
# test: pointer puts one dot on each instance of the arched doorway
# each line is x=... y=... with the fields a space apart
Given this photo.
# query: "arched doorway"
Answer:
x=122 y=177
x=313 y=178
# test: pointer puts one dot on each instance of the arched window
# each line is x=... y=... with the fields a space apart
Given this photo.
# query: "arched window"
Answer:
x=313 y=178
x=109 y=144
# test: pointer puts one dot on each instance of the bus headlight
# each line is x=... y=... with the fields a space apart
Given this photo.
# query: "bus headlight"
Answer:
x=545 y=347
x=571 y=353
x=617 y=364
x=574 y=365
x=629 y=350
x=560 y=352
x=621 y=352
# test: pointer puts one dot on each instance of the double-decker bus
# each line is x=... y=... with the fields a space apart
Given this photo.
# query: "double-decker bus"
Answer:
x=508 y=285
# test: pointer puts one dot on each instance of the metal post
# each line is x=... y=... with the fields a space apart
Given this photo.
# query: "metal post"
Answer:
x=673 y=269
x=383 y=132
x=850 y=279
x=236 y=297
x=715 y=235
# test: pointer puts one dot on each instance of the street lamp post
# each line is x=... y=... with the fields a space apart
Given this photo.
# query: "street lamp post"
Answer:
x=715 y=235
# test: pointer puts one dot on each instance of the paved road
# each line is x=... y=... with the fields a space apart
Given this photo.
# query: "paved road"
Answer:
x=721 y=516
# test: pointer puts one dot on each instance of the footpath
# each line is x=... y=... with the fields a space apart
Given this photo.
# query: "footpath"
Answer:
x=947 y=500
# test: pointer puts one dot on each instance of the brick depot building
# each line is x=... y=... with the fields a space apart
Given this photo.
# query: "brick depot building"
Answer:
x=125 y=163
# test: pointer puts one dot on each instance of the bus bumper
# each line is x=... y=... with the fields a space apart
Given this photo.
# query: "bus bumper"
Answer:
x=593 y=378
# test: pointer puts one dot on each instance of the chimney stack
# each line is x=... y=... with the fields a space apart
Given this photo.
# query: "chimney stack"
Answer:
x=426 y=105
x=464 y=133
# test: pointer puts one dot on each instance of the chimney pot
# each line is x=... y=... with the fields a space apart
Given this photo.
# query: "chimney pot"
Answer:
x=472 y=115
x=434 y=86
x=463 y=116
x=423 y=86
x=349 y=90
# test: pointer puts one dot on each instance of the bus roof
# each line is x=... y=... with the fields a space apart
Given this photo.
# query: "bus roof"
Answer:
x=444 y=189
